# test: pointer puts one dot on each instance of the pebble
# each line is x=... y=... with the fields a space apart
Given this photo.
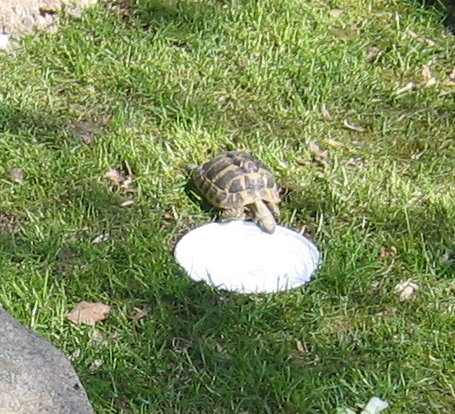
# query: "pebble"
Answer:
x=4 y=40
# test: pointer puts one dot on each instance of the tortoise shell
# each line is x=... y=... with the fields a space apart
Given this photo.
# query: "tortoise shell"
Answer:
x=237 y=182
x=235 y=179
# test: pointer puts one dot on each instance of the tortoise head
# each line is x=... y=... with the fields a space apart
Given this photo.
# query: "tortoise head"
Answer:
x=263 y=217
x=190 y=168
x=268 y=224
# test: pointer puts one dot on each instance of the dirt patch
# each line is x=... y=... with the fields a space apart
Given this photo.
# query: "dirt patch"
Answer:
x=18 y=16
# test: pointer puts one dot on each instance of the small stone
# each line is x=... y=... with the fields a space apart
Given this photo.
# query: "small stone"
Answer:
x=17 y=175
x=336 y=12
x=4 y=40
x=28 y=23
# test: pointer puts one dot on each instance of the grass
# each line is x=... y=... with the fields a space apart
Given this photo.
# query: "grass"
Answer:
x=172 y=83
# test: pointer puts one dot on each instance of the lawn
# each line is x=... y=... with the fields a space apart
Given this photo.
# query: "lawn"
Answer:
x=350 y=104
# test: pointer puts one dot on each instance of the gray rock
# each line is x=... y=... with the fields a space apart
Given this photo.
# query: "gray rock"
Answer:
x=35 y=377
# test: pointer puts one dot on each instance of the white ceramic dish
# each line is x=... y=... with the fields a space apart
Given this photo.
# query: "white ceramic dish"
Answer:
x=238 y=256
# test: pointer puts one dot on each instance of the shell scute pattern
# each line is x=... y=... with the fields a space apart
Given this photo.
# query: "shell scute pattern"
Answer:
x=236 y=181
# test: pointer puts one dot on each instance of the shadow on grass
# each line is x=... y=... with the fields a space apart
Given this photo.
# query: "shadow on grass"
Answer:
x=33 y=125
x=242 y=349
x=206 y=349
x=445 y=8
x=153 y=14
x=55 y=130
x=210 y=349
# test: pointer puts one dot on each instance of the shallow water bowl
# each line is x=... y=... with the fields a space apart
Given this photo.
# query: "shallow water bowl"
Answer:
x=238 y=256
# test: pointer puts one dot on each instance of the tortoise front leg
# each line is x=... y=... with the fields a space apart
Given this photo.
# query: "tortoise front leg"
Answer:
x=233 y=214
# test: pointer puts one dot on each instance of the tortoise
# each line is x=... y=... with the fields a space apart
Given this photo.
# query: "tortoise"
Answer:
x=240 y=185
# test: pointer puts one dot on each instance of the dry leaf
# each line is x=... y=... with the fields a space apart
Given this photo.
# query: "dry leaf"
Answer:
x=95 y=364
x=302 y=161
x=128 y=169
x=325 y=112
x=168 y=216
x=451 y=80
x=336 y=12
x=414 y=35
x=17 y=175
x=426 y=72
x=67 y=255
x=345 y=410
x=89 y=313
x=168 y=219
x=122 y=7
x=447 y=256
x=356 y=162
x=127 y=203
x=430 y=80
x=406 y=289
x=315 y=148
x=452 y=75
x=140 y=314
x=373 y=53
x=119 y=179
x=405 y=88
x=417 y=156
x=9 y=223
x=171 y=216
x=301 y=347
x=75 y=355
x=85 y=129
x=97 y=339
x=333 y=143
x=388 y=252
x=116 y=177
x=180 y=345
x=375 y=406
x=320 y=156
x=353 y=127
x=284 y=190
x=101 y=238
x=121 y=405
x=220 y=348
